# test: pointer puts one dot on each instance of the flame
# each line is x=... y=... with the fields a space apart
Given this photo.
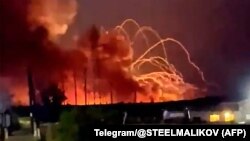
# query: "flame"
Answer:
x=165 y=84
x=117 y=51
x=169 y=82
x=55 y=15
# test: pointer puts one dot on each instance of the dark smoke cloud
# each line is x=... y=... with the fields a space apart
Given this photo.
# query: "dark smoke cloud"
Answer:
x=111 y=59
x=27 y=44
x=23 y=47
x=215 y=32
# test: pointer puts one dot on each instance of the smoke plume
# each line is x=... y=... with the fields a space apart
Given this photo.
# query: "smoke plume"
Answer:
x=54 y=15
x=27 y=35
x=110 y=60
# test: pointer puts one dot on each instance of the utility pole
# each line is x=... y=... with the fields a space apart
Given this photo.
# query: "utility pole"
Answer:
x=94 y=38
x=63 y=86
x=1 y=114
x=31 y=99
x=100 y=98
x=94 y=94
x=111 y=94
x=1 y=58
x=85 y=86
x=98 y=79
x=1 y=61
x=111 y=97
x=2 y=135
x=75 y=85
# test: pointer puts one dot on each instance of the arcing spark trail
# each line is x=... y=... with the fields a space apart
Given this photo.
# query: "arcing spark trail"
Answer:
x=164 y=82
x=129 y=63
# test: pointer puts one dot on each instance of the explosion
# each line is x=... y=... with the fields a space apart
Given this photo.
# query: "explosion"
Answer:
x=128 y=63
x=120 y=69
x=54 y=15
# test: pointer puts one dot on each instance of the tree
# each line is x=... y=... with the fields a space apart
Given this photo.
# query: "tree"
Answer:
x=76 y=124
x=53 y=96
x=68 y=127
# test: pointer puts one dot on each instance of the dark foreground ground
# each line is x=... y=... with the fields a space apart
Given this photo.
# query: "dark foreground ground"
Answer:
x=140 y=113
x=140 y=109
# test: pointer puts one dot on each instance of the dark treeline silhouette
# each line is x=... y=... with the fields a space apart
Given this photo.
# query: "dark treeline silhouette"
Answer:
x=82 y=118
x=51 y=110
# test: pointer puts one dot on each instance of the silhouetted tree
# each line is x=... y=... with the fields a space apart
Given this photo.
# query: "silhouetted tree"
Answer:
x=53 y=98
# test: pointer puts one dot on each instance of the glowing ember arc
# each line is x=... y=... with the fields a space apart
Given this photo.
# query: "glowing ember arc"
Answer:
x=122 y=73
x=160 y=42
x=167 y=82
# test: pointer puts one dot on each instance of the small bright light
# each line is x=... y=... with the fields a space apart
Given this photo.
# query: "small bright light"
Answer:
x=214 y=118
x=242 y=122
x=228 y=116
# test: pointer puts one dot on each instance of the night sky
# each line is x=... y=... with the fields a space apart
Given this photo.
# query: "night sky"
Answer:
x=216 y=32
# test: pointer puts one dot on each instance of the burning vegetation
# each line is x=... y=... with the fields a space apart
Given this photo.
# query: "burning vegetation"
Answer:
x=123 y=64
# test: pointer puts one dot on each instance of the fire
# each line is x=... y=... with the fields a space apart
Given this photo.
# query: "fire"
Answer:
x=121 y=76
x=127 y=63
x=55 y=15
x=165 y=83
